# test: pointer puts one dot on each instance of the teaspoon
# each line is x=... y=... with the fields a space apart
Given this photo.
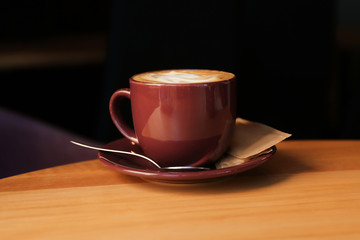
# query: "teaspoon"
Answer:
x=180 y=168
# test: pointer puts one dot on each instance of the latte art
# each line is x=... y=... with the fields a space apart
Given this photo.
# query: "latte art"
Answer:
x=179 y=77
x=183 y=76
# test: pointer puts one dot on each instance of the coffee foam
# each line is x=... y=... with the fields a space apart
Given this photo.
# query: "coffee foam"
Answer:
x=183 y=76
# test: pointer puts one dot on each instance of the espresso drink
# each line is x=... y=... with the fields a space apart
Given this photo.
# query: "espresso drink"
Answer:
x=183 y=76
x=182 y=117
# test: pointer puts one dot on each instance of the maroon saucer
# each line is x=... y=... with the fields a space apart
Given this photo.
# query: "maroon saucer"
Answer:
x=135 y=166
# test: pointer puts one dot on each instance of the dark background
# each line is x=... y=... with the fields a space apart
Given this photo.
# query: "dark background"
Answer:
x=297 y=62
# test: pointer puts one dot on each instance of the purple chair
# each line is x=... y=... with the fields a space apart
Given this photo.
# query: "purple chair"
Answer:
x=28 y=145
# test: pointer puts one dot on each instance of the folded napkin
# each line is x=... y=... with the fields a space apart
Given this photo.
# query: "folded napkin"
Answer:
x=250 y=139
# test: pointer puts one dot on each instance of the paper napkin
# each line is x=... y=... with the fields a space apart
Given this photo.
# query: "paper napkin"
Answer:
x=250 y=140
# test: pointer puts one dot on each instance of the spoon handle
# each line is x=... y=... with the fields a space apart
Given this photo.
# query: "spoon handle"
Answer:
x=115 y=151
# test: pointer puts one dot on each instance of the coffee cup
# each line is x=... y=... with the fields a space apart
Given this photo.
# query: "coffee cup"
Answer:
x=181 y=117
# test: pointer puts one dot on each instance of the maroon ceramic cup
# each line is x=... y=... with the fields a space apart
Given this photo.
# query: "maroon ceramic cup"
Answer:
x=179 y=124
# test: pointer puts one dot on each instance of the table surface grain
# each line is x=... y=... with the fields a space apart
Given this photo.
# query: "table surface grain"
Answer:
x=310 y=189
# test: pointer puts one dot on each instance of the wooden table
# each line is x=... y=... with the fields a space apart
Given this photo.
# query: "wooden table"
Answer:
x=308 y=190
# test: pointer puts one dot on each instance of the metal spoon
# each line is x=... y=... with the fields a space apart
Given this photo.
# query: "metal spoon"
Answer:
x=180 y=168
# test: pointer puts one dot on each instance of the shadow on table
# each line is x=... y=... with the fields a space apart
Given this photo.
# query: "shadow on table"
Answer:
x=278 y=169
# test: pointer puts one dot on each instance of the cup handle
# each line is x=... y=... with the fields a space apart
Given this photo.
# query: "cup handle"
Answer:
x=114 y=107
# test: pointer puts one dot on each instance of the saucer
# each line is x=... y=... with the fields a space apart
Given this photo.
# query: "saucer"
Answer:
x=135 y=166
